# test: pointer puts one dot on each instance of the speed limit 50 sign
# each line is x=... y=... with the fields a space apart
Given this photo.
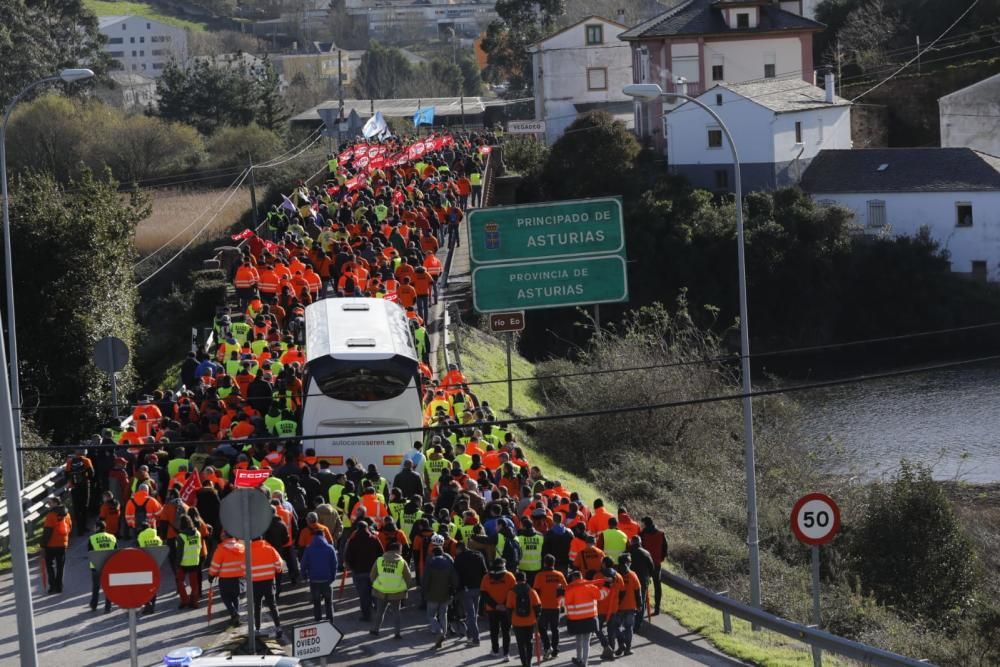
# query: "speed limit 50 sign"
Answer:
x=815 y=519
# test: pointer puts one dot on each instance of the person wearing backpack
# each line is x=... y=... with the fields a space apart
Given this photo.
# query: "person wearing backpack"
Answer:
x=142 y=508
x=525 y=606
x=493 y=591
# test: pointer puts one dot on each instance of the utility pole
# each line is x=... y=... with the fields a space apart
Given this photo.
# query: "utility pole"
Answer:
x=253 y=192
x=340 y=93
x=918 y=54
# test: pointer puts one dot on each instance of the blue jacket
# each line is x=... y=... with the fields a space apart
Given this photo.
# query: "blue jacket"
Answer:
x=319 y=562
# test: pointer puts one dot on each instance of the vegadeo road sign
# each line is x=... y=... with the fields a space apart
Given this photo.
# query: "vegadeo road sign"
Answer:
x=815 y=519
x=130 y=578
x=500 y=322
x=315 y=640
x=548 y=230
x=526 y=127
x=567 y=282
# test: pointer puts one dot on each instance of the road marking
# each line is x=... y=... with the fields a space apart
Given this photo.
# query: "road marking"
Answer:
x=130 y=578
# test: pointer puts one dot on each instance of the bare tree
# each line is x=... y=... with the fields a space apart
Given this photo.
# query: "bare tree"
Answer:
x=867 y=33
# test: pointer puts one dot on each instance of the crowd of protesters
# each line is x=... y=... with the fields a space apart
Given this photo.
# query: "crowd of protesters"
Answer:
x=466 y=519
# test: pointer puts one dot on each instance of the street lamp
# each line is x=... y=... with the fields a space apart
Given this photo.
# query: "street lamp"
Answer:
x=649 y=92
x=69 y=76
x=10 y=420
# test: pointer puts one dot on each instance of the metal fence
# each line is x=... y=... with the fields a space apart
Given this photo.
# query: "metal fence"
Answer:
x=818 y=639
x=33 y=503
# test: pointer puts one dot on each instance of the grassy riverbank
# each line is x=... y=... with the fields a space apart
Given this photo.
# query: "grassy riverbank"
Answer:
x=484 y=359
x=684 y=467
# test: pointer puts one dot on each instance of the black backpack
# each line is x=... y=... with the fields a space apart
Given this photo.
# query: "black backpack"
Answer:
x=140 y=512
x=522 y=605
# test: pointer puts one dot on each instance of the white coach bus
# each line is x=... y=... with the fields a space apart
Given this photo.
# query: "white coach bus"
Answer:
x=361 y=375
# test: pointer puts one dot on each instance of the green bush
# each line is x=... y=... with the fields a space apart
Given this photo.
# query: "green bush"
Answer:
x=909 y=551
x=524 y=154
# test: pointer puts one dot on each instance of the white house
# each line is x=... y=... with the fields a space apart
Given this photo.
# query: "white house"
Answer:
x=142 y=45
x=583 y=67
x=778 y=125
x=392 y=21
x=128 y=90
x=709 y=42
x=954 y=192
x=970 y=117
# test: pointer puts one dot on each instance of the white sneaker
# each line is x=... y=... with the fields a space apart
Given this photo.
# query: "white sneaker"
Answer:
x=506 y=658
x=495 y=654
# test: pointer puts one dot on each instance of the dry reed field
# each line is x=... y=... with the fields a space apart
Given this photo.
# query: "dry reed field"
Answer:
x=175 y=210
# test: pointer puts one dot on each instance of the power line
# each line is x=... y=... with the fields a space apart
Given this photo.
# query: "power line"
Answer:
x=603 y=412
x=674 y=364
x=919 y=53
x=197 y=234
x=235 y=184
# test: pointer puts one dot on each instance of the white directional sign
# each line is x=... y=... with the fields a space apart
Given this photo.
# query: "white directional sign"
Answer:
x=815 y=519
x=526 y=127
x=315 y=640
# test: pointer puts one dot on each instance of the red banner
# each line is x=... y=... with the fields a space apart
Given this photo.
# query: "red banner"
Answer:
x=192 y=483
x=360 y=150
x=485 y=150
x=346 y=156
x=362 y=163
x=377 y=162
x=245 y=234
x=391 y=296
x=250 y=478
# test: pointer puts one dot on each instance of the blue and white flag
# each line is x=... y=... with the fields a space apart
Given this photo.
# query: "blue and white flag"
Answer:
x=375 y=127
x=424 y=116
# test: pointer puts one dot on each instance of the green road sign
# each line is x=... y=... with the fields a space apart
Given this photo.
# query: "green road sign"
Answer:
x=557 y=283
x=546 y=231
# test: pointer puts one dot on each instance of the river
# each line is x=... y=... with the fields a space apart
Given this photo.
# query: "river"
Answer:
x=948 y=419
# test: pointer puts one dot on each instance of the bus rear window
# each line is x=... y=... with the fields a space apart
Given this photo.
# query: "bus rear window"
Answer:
x=363 y=384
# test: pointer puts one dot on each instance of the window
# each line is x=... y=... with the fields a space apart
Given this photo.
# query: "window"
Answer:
x=131 y=40
x=115 y=40
x=798 y=132
x=742 y=20
x=597 y=78
x=979 y=271
x=142 y=54
x=158 y=65
x=123 y=26
x=158 y=52
x=876 y=213
x=116 y=54
x=715 y=138
x=149 y=27
x=717 y=74
x=963 y=214
x=133 y=54
x=718 y=100
x=142 y=40
x=721 y=179
x=595 y=34
x=769 y=72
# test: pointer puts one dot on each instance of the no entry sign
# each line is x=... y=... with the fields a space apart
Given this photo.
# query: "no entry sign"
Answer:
x=130 y=578
x=815 y=519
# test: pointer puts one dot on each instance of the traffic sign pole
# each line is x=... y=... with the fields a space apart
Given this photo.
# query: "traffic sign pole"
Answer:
x=247 y=541
x=510 y=378
x=133 y=639
x=816 y=651
x=815 y=521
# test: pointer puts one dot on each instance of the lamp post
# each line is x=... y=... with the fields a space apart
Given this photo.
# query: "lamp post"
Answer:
x=652 y=91
x=10 y=420
x=67 y=75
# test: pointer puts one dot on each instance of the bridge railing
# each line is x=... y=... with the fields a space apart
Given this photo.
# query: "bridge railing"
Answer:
x=818 y=639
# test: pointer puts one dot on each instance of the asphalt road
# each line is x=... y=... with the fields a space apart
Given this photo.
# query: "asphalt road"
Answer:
x=69 y=634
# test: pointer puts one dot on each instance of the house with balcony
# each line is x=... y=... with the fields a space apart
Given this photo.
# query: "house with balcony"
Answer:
x=953 y=192
x=713 y=42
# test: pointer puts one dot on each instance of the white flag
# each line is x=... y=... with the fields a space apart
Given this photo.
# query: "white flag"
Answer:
x=375 y=126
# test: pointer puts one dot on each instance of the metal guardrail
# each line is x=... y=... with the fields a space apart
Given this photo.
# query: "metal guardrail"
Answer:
x=33 y=499
x=868 y=655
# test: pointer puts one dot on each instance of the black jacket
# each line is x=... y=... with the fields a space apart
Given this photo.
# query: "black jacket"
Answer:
x=642 y=564
x=471 y=568
x=409 y=483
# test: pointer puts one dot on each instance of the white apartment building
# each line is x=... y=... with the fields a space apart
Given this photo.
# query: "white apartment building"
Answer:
x=142 y=45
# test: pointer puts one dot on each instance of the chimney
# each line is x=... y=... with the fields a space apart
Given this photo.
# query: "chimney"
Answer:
x=621 y=16
x=829 y=81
